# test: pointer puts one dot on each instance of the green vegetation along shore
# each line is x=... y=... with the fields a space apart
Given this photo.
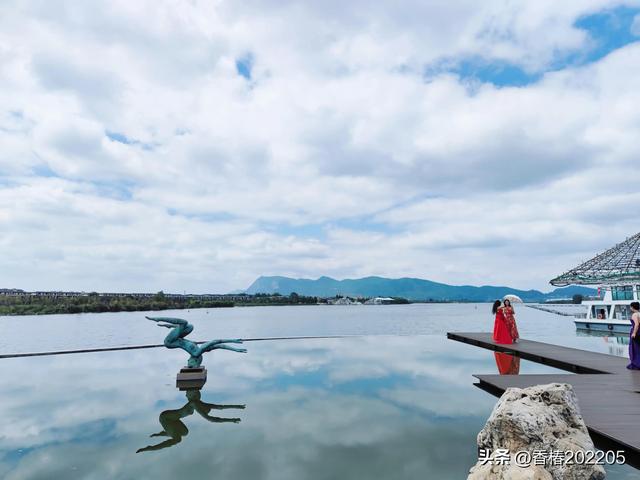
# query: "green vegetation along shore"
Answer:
x=19 y=302
x=23 y=303
x=42 y=305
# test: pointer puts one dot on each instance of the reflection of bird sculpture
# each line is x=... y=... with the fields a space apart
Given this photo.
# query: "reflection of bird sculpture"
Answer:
x=175 y=429
x=181 y=328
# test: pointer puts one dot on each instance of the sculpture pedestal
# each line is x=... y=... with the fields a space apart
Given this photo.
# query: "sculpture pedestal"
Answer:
x=191 y=378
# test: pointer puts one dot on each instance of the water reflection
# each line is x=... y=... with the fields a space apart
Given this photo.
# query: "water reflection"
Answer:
x=42 y=332
x=389 y=408
x=507 y=364
x=175 y=429
x=616 y=344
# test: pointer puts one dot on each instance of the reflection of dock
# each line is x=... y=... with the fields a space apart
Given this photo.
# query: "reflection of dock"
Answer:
x=607 y=392
x=549 y=310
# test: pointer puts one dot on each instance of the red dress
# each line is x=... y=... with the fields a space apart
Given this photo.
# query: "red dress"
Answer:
x=510 y=320
x=507 y=364
x=501 y=331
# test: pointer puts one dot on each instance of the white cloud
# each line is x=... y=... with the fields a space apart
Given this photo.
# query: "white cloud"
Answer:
x=336 y=128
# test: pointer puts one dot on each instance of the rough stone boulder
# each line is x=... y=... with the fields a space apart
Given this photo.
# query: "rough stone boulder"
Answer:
x=543 y=418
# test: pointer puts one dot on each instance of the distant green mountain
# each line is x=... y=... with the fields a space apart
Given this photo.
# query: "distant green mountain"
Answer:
x=411 y=288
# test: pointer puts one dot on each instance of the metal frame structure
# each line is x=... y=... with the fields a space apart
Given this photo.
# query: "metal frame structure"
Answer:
x=619 y=265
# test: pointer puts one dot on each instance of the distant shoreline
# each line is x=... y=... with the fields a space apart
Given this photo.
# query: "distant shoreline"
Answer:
x=61 y=311
x=19 y=303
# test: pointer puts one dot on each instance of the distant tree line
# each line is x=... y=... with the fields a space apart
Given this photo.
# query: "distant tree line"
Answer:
x=400 y=301
x=95 y=303
x=22 y=303
x=278 y=299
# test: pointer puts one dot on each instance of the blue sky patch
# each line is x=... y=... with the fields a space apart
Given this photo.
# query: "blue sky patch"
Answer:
x=497 y=73
x=43 y=170
x=122 y=138
x=117 y=190
x=365 y=224
x=203 y=217
x=119 y=137
x=244 y=66
x=313 y=230
x=608 y=31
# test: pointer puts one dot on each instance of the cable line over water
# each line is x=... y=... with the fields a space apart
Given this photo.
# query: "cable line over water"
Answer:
x=141 y=347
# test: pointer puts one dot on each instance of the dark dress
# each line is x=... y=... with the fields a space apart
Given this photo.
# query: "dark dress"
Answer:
x=634 y=350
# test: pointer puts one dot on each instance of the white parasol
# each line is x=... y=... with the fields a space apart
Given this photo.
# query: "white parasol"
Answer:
x=512 y=298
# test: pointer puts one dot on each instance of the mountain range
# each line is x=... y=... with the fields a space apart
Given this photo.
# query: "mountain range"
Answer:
x=415 y=289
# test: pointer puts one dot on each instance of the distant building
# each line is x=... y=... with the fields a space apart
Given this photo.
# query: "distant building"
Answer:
x=380 y=301
x=343 y=301
x=11 y=291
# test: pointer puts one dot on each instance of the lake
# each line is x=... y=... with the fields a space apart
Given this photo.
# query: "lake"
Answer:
x=394 y=400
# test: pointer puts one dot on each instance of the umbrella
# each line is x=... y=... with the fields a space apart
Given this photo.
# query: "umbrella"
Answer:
x=512 y=298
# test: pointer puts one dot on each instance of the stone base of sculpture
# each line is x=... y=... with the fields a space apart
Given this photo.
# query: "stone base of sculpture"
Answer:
x=191 y=378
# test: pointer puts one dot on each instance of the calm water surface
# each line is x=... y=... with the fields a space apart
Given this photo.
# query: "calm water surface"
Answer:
x=395 y=402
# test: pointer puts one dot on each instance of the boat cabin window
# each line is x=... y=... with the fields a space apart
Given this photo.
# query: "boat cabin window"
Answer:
x=622 y=312
x=623 y=293
x=600 y=312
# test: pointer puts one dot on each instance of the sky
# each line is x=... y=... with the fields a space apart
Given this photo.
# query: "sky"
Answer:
x=196 y=145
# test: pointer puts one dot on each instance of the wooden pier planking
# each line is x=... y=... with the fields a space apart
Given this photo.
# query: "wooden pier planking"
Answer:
x=608 y=393
x=565 y=358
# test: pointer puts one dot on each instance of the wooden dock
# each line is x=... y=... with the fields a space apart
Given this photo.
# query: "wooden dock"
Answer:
x=608 y=393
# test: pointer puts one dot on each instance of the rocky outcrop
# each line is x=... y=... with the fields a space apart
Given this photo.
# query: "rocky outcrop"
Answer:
x=540 y=420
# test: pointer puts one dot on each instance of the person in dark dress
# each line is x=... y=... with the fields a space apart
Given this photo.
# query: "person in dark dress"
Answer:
x=634 y=339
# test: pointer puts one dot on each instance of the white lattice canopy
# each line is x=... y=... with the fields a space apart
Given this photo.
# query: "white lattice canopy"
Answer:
x=617 y=266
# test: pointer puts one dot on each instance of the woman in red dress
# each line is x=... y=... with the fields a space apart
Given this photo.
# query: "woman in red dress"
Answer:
x=501 y=332
x=510 y=320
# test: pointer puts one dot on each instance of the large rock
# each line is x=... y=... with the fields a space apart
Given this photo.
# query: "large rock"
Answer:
x=544 y=418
